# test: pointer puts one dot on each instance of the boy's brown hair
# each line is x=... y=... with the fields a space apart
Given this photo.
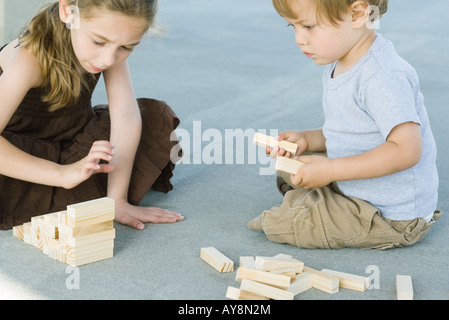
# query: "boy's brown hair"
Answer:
x=329 y=10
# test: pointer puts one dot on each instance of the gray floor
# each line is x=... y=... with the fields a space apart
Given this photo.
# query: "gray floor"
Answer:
x=231 y=64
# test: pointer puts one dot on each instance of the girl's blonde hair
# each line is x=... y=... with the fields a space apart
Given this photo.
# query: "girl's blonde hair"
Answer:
x=329 y=10
x=49 y=40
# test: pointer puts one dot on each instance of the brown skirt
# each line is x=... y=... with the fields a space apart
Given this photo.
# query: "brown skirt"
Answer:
x=20 y=200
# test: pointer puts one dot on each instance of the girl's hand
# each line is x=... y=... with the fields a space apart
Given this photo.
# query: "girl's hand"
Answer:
x=297 y=137
x=316 y=173
x=135 y=216
x=74 y=174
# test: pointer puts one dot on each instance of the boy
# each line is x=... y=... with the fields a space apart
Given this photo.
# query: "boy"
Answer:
x=378 y=185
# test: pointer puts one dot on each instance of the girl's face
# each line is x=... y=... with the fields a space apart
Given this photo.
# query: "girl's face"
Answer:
x=323 y=42
x=105 y=39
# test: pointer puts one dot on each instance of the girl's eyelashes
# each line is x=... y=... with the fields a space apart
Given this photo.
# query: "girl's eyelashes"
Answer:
x=289 y=25
x=100 y=44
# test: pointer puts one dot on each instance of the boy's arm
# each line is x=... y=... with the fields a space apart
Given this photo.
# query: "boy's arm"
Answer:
x=401 y=151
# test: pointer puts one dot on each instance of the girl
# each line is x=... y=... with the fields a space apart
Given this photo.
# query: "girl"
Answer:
x=58 y=150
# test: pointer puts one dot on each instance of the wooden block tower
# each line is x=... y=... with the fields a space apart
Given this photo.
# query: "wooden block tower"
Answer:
x=82 y=234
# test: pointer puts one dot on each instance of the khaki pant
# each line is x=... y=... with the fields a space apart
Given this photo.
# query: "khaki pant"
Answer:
x=325 y=218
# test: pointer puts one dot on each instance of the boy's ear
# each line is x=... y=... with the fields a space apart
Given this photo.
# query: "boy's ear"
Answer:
x=360 y=11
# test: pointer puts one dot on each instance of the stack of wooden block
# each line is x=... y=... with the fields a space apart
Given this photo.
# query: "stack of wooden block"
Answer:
x=82 y=234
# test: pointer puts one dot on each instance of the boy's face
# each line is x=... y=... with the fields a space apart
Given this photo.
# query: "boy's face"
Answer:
x=323 y=42
x=106 y=39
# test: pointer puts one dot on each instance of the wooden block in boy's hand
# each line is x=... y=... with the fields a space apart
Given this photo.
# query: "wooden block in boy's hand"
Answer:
x=267 y=141
x=288 y=165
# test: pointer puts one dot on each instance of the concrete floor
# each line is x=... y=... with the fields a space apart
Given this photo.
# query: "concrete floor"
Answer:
x=229 y=65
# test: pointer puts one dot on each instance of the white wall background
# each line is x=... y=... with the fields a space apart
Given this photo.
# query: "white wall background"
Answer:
x=14 y=14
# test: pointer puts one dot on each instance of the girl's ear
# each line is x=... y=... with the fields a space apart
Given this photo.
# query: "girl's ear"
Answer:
x=63 y=12
x=360 y=11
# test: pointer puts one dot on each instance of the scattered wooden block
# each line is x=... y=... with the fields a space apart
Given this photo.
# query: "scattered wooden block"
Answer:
x=349 y=281
x=404 y=287
x=271 y=264
x=302 y=283
x=289 y=272
x=217 y=260
x=238 y=294
x=288 y=165
x=265 y=290
x=246 y=262
x=323 y=281
x=272 y=279
x=263 y=140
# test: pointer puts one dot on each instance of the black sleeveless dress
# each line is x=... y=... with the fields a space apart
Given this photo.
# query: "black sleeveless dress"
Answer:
x=66 y=136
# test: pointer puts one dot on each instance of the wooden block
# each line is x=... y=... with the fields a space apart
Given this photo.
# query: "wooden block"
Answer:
x=238 y=294
x=246 y=262
x=90 y=212
x=17 y=232
x=404 y=287
x=263 y=140
x=91 y=238
x=323 y=281
x=36 y=221
x=289 y=272
x=217 y=260
x=265 y=290
x=50 y=248
x=35 y=238
x=271 y=264
x=86 y=229
x=349 y=281
x=52 y=218
x=272 y=279
x=61 y=252
x=288 y=165
x=62 y=217
x=302 y=283
x=27 y=232
x=48 y=231
x=93 y=257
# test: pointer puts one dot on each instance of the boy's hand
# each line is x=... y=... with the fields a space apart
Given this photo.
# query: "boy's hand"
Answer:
x=315 y=174
x=291 y=136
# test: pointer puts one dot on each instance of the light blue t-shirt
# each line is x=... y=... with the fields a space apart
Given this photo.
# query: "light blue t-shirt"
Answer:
x=361 y=107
